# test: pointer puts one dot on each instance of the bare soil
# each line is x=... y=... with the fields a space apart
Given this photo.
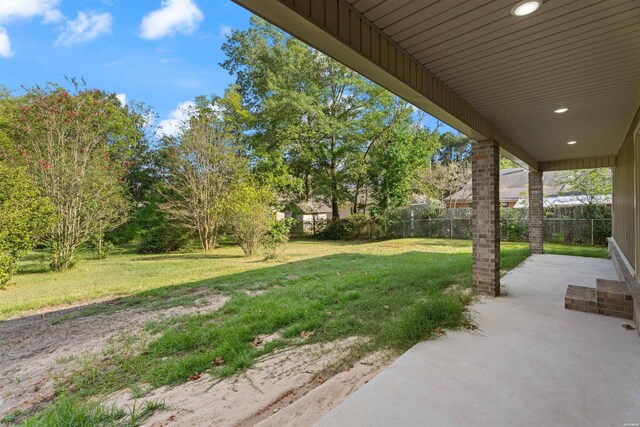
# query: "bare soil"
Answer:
x=292 y=386
x=34 y=348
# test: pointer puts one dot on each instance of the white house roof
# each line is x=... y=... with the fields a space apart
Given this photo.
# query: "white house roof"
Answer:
x=567 y=201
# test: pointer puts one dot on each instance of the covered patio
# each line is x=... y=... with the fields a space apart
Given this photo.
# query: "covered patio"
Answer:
x=531 y=363
x=553 y=85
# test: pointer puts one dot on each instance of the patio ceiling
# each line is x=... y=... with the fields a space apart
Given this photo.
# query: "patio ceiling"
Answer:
x=496 y=75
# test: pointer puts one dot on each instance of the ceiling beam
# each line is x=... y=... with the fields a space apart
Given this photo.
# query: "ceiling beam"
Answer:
x=337 y=29
x=585 y=163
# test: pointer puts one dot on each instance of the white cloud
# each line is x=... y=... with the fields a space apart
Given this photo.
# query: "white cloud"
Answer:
x=225 y=31
x=171 y=125
x=122 y=98
x=174 y=16
x=14 y=10
x=5 y=44
x=114 y=63
x=86 y=27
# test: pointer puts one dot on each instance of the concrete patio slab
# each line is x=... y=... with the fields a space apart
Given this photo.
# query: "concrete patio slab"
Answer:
x=532 y=363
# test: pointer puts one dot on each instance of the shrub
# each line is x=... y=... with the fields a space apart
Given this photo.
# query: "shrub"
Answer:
x=74 y=146
x=383 y=222
x=515 y=231
x=557 y=238
x=25 y=215
x=349 y=228
x=273 y=242
x=100 y=246
x=248 y=212
x=164 y=239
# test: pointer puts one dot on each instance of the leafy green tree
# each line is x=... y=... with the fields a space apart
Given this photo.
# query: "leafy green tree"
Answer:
x=249 y=213
x=307 y=116
x=8 y=111
x=589 y=186
x=198 y=168
x=507 y=163
x=141 y=177
x=454 y=148
x=26 y=216
x=396 y=161
x=74 y=145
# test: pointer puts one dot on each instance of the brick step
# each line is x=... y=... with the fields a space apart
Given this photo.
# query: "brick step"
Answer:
x=607 y=298
x=613 y=300
x=581 y=298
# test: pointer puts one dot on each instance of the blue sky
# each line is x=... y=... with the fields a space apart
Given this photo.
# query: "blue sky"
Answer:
x=161 y=52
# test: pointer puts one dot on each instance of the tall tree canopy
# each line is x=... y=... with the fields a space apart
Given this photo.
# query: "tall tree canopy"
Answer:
x=309 y=117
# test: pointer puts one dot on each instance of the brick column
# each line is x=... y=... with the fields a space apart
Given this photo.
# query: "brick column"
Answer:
x=485 y=217
x=536 y=213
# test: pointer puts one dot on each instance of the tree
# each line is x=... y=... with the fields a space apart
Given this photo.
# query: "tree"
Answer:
x=507 y=163
x=249 y=213
x=396 y=161
x=442 y=180
x=73 y=145
x=454 y=148
x=308 y=115
x=198 y=167
x=26 y=216
x=588 y=186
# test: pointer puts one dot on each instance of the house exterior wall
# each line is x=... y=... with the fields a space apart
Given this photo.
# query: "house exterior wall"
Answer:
x=626 y=192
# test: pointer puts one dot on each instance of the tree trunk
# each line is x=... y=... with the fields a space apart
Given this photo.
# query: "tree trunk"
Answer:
x=335 y=209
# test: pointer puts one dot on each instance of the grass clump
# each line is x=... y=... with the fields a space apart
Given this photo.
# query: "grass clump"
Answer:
x=69 y=410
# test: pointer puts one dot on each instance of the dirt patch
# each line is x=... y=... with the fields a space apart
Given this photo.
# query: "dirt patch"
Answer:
x=34 y=347
x=289 y=387
x=293 y=386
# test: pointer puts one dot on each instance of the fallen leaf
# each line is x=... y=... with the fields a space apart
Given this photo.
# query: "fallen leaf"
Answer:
x=438 y=331
x=307 y=334
x=472 y=327
x=195 y=376
x=257 y=341
x=628 y=327
x=219 y=361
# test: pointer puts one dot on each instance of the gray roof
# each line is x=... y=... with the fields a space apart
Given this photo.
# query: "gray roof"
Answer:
x=513 y=184
x=313 y=206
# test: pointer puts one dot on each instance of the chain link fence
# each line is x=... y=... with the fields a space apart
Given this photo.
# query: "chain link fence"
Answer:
x=556 y=230
x=574 y=231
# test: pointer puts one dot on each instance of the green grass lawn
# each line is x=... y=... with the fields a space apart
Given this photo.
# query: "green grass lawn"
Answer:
x=127 y=273
x=395 y=293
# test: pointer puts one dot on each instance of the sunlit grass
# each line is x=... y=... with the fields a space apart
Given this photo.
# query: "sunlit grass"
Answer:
x=127 y=273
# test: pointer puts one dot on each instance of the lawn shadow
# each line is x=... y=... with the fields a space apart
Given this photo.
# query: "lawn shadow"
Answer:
x=34 y=263
x=351 y=268
x=411 y=268
x=180 y=256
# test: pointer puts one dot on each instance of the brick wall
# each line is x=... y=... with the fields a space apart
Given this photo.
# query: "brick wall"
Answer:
x=536 y=212
x=485 y=217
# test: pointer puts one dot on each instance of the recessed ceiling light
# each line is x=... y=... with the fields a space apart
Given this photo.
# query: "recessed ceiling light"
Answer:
x=561 y=110
x=526 y=7
x=572 y=142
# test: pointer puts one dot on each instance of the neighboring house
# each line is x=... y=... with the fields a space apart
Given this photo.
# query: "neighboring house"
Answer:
x=514 y=187
x=316 y=209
